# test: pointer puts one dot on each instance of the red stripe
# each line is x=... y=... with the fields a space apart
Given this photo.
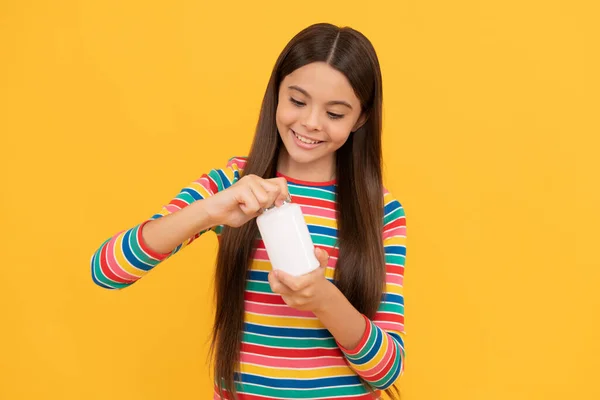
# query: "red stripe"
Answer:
x=263 y=298
x=389 y=317
x=213 y=186
x=243 y=396
x=107 y=271
x=394 y=269
x=179 y=203
x=290 y=353
x=309 y=201
x=385 y=370
x=395 y=223
x=332 y=251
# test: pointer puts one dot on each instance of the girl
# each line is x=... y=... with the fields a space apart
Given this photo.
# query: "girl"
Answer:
x=337 y=332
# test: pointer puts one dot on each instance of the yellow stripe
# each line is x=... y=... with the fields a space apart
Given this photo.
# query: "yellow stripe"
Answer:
x=315 y=220
x=296 y=373
x=197 y=186
x=377 y=359
x=395 y=240
x=120 y=257
x=261 y=266
x=283 y=321
x=393 y=288
x=229 y=172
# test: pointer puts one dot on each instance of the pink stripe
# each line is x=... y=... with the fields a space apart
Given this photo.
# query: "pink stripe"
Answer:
x=397 y=279
x=318 y=212
x=171 y=208
x=261 y=255
x=383 y=363
x=276 y=310
x=390 y=326
x=112 y=261
x=400 y=231
x=303 y=363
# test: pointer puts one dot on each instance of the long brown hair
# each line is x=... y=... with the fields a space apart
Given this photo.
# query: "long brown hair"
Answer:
x=360 y=270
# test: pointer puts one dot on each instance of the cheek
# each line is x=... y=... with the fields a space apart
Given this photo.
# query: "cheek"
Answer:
x=339 y=133
x=286 y=115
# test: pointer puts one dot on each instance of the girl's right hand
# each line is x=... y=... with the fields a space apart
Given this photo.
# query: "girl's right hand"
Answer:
x=245 y=200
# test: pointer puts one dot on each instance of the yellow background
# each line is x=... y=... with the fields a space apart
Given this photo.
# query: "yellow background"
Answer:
x=107 y=108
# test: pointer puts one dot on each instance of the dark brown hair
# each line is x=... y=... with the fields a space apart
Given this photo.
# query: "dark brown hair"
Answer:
x=360 y=270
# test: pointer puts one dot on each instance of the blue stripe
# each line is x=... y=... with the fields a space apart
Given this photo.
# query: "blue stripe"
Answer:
x=396 y=337
x=287 y=332
x=224 y=179
x=130 y=257
x=322 y=230
x=192 y=193
x=369 y=356
x=261 y=276
x=93 y=265
x=393 y=298
x=396 y=372
x=318 y=383
x=391 y=206
x=395 y=249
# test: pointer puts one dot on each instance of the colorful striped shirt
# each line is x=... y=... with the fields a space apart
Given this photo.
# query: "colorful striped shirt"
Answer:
x=286 y=353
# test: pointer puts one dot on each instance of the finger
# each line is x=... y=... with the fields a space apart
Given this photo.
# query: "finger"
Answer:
x=248 y=203
x=272 y=190
x=284 y=194
x=277 y=286
x=294 y=283
x=261 y=195
x=323 y=256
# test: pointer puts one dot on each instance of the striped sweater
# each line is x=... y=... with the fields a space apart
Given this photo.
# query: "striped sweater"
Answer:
x=286 y=353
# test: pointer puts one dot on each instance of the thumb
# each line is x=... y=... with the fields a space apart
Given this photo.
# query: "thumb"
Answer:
x=322 y=256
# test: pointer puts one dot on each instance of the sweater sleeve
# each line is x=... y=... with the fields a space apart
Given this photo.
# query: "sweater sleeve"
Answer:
x=379 y=356
x=125 y=258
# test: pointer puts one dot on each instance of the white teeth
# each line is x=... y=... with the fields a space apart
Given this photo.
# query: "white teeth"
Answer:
x=304 y=140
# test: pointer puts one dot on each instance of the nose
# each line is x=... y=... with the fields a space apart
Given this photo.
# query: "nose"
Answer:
x=311 y=120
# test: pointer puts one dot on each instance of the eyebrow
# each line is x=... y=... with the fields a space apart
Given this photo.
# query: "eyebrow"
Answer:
x=331 y=103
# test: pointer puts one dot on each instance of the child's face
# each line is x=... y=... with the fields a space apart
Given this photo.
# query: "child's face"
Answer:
x=316 y=112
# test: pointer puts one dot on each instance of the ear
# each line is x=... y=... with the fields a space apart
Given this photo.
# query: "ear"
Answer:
x=361 y=121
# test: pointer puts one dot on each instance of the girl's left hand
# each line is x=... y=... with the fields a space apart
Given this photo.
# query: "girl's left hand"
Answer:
x=307 y=292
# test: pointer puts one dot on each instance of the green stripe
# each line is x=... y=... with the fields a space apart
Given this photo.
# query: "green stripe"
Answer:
x=135 y=248
x=391 y=307
x=311 y=192
x=249 y=388
x=98 y=272
x=395 y=259
x=383 y=381
x=217 y=178
x=323 y=240
x=397 y=213
x=186 y=197
x=367 y=347
x=262 y=287
x=290 y=343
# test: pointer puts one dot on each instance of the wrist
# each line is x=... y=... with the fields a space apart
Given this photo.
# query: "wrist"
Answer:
x=329 y=294
x=203 y=219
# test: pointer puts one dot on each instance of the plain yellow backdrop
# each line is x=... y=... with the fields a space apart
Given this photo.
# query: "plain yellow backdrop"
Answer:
x=107 y=108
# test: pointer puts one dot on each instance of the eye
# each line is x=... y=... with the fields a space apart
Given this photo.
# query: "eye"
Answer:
x=297 y=103
x=335 y=116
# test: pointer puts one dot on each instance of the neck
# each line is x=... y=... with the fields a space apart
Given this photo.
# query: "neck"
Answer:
x=321 y=170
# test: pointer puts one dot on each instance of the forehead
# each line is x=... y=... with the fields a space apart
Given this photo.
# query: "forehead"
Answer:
x=322 y=82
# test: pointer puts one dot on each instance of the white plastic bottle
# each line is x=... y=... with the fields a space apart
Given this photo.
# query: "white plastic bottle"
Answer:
x=287 y=239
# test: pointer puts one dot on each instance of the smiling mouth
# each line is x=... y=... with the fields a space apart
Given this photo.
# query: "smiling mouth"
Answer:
x=306 y=140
